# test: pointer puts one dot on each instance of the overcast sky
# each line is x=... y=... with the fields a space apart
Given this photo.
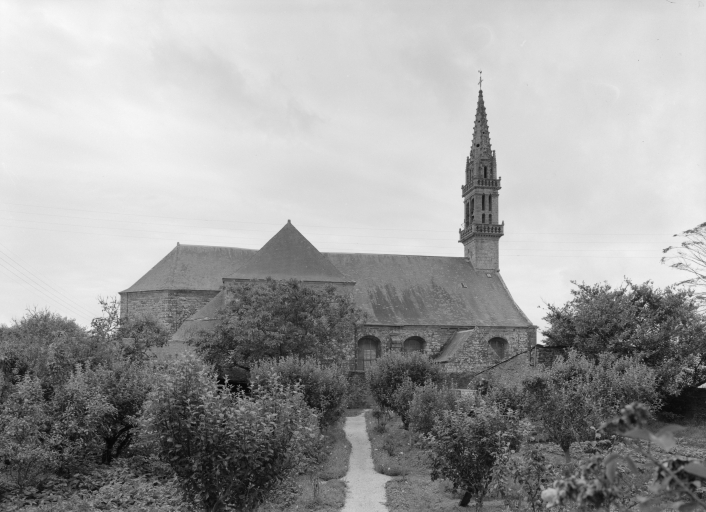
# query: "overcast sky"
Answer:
x=128 y=126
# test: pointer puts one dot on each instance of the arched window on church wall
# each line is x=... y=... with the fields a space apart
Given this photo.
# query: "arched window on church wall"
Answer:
x=500 y=347
x=368 y=351
x=413 y=344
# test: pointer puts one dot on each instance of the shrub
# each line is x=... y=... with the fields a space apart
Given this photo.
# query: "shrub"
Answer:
x=227 y=449
x=428 y=403
x=390 y=372
x=463 y=448
x=25 y=424
x=526 y=471
x=402 y=399
x=325 y=388
x=572 y=397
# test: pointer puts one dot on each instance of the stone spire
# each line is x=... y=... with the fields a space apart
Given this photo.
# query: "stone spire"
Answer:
x=481 y=231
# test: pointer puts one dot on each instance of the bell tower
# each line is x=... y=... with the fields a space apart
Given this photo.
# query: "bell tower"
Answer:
x=481 y=230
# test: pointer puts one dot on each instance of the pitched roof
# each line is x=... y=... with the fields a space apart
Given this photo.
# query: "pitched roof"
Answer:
x=451 y=347
x=192 y=267
x=288 y=255
x=428 y=290
x=203 y=320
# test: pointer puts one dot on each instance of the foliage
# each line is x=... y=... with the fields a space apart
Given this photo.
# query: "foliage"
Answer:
x=596 y=484
x=661 y=327
x=402 y=399
x=690 y=256
x=464 y=448
x=78 y=409
x=527 y=471
x=428 y=402
x=227 y=449
x=278 y=319
x=575 y=395
x=391 y=370
x=25 y=444
x=324 y=387
x=358 y=393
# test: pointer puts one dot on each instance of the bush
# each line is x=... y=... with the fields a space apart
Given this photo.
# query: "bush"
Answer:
x=463 y=448
x=571 y=398
x=325 y=388
x=390 y=372
x=227 y=449
x=25 y=444
x=427 y=404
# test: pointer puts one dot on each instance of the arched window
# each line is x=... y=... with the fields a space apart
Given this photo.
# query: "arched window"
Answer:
x=368 y=352
x=485 y=171
x=413 y=344
x=490 y=203
x=482 y=202
x=499 y=346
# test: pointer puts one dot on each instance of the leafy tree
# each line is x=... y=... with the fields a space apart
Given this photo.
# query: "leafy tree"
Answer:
x=325 y=387
x=427 y=403
x=464 y=448
x=661 y=327
x=690 y=256
x=392 y=371
x=280 y=319
x=572 y=398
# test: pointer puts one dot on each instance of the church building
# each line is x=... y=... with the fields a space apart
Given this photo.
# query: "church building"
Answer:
x=456 y=309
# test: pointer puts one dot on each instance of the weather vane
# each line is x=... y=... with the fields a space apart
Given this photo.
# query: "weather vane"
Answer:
x=480 y=82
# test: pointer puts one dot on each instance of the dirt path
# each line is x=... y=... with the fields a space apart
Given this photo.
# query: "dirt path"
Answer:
x=365 y=487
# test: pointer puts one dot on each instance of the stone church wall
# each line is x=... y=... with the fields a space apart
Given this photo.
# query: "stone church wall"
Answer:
x=171 y=307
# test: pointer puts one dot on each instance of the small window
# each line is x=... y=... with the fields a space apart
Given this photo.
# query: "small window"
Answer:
x=483 y=219
x=485 y=171
x=413 y=344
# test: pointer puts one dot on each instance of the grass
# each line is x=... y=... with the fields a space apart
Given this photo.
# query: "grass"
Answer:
x=321 y=488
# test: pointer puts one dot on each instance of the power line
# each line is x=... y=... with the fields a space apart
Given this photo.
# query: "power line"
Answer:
x=331 y=227
x=85 y=310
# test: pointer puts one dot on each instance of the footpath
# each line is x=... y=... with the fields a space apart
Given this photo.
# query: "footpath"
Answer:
x=365 y=487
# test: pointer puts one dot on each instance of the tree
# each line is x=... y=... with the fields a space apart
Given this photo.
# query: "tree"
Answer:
x=572 y=398
x=662 y=327
x=394 y=376
x=464 y=448
x=690 y=256
x=280 y=319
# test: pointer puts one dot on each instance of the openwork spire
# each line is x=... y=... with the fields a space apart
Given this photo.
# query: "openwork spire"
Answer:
x=480 y=147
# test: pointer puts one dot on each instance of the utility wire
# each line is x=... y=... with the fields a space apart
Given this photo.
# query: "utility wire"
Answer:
x=44 y=282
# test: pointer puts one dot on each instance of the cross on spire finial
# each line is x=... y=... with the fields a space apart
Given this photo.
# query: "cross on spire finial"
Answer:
x=480 y=81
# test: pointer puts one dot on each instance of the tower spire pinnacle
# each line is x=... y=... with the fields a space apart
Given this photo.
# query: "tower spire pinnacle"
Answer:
x=481 y=229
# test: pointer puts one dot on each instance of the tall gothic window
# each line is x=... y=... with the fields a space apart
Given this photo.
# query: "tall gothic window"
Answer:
x=482 y=202
x=490 y=203
x=485 y=171
x=483 y=218
x=467 y=215
x=490 y=218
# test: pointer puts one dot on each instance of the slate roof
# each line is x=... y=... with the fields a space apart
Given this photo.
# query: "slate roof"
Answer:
x=428 y=290
x=192 y=267
x=449 y=350
x=288 y=255
x=201 y=321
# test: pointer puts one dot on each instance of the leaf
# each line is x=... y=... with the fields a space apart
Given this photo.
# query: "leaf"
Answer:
x=688 y=507
x=639 y=433
x=695 y=468
x=665 y=441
